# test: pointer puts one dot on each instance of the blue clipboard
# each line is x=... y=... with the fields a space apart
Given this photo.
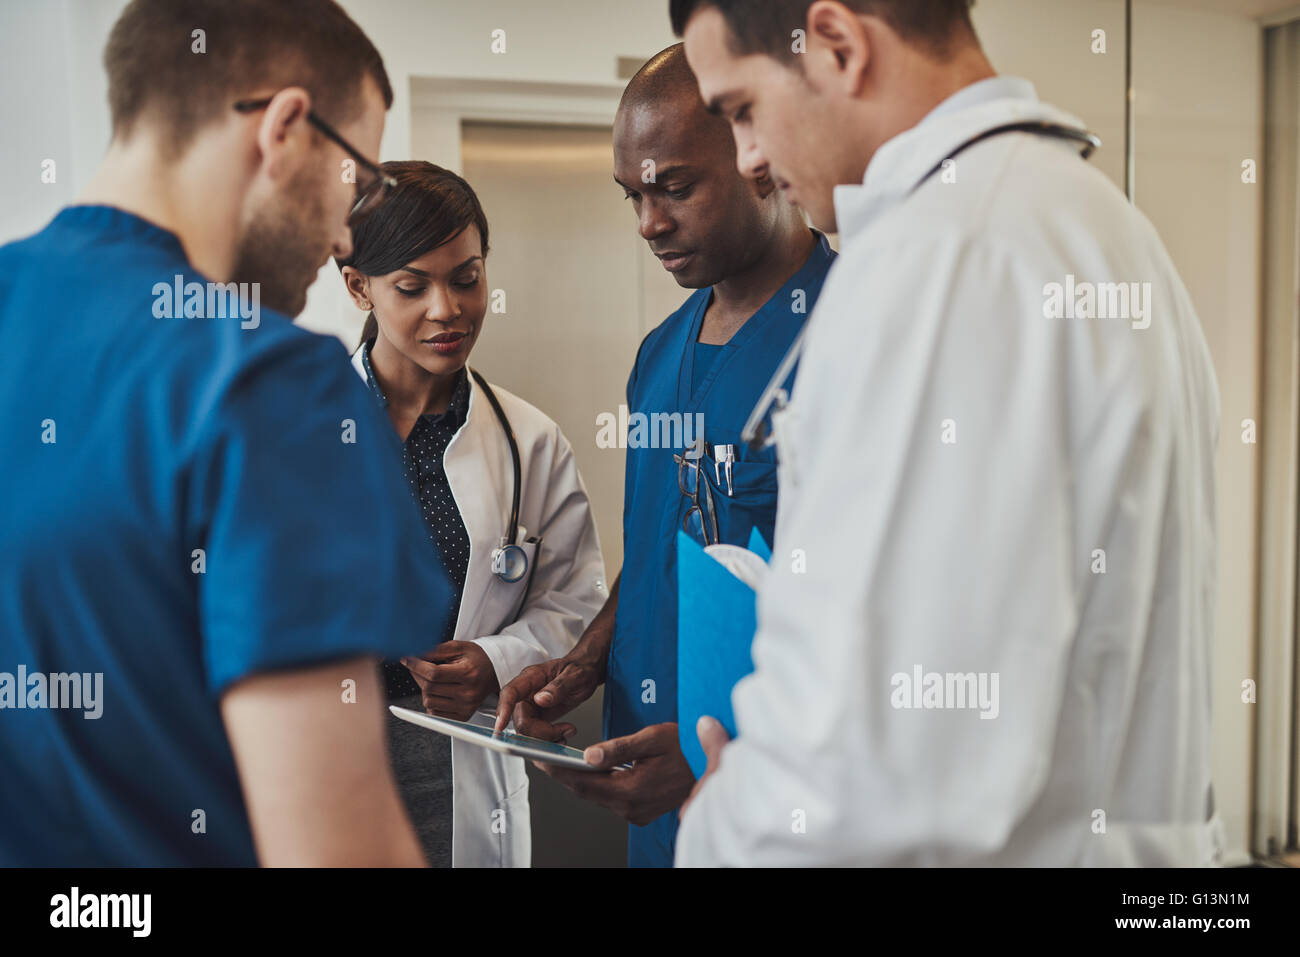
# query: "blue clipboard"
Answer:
x=717 y=616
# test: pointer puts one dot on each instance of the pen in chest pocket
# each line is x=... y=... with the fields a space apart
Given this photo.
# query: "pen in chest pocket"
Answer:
x=724 y=456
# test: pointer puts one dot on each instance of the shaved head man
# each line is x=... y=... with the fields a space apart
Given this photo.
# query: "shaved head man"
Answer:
x=756 y=268
x=728 y=224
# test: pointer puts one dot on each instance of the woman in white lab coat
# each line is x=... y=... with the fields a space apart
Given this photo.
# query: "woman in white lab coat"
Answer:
x=418 y=270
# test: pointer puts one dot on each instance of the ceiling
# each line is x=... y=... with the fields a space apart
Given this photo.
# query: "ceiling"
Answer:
x=1252 y=9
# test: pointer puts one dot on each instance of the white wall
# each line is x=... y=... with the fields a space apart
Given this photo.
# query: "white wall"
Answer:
x=1199 y=114
x=55 y=104
x=1051 y=43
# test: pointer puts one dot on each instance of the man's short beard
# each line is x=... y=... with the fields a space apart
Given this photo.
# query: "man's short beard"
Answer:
x=281 y=248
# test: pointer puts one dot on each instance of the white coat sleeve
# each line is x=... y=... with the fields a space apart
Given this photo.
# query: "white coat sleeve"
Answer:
x=568 y=585
x=929 y=528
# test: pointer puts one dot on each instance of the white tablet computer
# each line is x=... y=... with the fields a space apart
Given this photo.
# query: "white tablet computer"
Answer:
x=534 y=749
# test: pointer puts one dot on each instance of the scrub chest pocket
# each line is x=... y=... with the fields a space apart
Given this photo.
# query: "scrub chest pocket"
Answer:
x=752 y=502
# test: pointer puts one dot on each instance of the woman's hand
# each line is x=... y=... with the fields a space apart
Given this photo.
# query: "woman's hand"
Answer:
x=454 y=678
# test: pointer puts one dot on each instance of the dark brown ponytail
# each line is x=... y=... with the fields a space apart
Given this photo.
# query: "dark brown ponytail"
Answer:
x=369 y=330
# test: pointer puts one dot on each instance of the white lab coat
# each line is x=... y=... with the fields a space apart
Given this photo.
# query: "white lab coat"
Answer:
x=568 y=588
x=953 y=465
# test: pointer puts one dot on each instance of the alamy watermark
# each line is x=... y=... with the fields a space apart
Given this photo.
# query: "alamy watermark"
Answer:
x=130 y=911
x=946 y=691
x=211 y=300
x=1103 y=300
x=653 y=430
x=80 y=691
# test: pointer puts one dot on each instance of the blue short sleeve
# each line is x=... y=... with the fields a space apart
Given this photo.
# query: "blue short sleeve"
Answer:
x=313 y=545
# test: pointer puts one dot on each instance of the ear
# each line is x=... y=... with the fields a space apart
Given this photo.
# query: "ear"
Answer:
x=283 y=135
x=838 y=48
x=358 y=285
x=763 y=186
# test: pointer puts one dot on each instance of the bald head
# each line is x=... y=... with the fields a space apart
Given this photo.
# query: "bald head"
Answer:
x=665 y=91
x=663 y=76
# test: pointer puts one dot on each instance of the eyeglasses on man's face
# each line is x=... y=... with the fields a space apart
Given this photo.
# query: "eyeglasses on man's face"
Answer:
x=369 y=193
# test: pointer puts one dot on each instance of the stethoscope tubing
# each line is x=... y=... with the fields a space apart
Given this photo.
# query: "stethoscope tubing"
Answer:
x=512 y=538
x=755 y=434
x=1091 y=142
x=511 y=543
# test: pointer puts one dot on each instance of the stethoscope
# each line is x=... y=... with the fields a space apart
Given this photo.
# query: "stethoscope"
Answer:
x=775 y=398
x=509 y=560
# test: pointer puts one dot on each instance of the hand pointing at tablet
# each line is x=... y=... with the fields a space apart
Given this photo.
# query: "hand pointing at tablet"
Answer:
x=542 y=693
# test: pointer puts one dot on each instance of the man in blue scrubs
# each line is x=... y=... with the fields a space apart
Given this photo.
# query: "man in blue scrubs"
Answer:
x=757 y=270
x=207 y=539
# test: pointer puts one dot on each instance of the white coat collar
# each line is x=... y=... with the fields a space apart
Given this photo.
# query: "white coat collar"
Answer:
x=903 y=161
x=476 y=417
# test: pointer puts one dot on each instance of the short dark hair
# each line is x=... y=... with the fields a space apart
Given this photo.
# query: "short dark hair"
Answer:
x=765 y=26
x=155 y=72
x=428 y=207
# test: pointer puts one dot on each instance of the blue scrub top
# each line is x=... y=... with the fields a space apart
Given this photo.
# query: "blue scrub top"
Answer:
x=641 y=684
x=128 y=442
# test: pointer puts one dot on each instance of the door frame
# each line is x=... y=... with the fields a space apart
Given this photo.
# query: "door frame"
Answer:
x=439 y=105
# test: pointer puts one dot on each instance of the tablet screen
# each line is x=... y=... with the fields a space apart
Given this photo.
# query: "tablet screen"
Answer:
x=534 y=749
x=535 y=744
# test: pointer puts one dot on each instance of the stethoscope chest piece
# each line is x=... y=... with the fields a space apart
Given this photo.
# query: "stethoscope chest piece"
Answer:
x=509 y=562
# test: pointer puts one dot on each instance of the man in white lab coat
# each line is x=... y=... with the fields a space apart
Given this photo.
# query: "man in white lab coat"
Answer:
x=986 y=638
